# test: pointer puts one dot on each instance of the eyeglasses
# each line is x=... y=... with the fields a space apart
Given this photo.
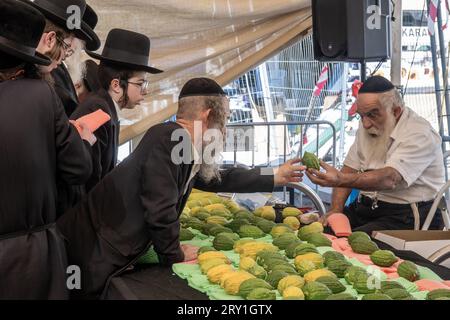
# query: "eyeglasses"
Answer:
x=68 y=51
x=143 y=85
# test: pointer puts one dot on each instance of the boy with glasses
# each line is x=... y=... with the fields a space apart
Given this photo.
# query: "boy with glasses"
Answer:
x=122 y=76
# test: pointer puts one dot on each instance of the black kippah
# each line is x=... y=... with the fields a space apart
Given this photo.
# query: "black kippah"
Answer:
x=201 y=87
x=376 y=84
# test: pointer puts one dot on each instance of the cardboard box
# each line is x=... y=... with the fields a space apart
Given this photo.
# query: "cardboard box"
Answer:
x=424 y=243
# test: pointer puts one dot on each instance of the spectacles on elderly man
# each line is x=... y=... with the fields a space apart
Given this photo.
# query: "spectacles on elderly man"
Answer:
x=143 y=85
x=68 y=51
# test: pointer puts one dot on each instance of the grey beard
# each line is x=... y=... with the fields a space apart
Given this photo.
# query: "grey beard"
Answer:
x=210 y=172
x=380 y=145
x=76 y=65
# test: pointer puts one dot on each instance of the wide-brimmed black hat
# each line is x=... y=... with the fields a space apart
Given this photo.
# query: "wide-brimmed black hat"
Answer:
x=21 y=28
x=57 y=12
x=126 y=49
x=90 y=20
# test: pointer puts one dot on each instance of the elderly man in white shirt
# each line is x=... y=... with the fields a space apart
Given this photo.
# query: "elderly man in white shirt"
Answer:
x=396 y=162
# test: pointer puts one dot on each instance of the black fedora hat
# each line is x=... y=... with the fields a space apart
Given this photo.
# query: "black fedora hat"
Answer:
x=88 y=24
x=57 y=12
x=126 y=49
x=21 y=28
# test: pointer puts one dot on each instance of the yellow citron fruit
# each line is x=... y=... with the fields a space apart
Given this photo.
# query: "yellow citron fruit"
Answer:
x=315 y=258
x=293 y=293
x=206 y=266
x=238 y=244
x=225 y=276
x=290 y=281
x=215 y=273
x=232 y=283
x=246 y=263
x=210 y=255
x=292 y=222
x=316 y=274
x=291 y=212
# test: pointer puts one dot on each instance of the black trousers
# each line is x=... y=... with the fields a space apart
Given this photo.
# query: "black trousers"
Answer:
x=388 y=216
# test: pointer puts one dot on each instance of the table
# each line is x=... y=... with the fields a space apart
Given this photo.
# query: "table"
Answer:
x=159 y=283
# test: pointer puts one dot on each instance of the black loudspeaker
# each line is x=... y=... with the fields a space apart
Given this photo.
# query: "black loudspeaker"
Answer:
x=352 y=30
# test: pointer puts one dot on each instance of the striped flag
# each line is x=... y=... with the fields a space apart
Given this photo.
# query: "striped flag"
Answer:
x=447 y=12
x=323 y=78
x=432 y=16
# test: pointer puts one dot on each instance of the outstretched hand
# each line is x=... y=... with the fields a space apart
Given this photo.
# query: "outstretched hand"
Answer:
x=289 y=172
x=330 y=178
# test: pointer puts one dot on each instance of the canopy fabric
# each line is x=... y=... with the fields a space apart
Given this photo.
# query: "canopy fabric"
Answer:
x=220 y=39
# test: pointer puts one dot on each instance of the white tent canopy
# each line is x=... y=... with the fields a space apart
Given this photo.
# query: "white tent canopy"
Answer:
x=220 y=39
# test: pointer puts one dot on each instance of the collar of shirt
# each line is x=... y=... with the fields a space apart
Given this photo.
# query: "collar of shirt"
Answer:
x=119 y=116
x=400 y=124
x=195 y=167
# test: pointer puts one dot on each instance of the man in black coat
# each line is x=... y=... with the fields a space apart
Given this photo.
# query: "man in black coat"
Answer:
x=139 y=203
x=37 y=143
x=124 y=62
x=64 y=85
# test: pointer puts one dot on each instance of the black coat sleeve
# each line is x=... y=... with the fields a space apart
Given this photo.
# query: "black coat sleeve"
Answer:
x=159 y=198
x=72 y=154
x=239 y=180
x=99 y=147
x=96 y=155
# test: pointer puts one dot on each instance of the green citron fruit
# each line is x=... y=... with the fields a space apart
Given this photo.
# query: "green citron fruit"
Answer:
x=311 y=161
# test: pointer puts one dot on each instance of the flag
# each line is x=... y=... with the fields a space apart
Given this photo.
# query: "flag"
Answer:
x=447 y=13
x=432 y=16
x=356 y=86
x=323 y=78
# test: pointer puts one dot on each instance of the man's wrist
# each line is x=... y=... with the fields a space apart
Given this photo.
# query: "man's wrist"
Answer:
x=336 y=210
x=345 y=180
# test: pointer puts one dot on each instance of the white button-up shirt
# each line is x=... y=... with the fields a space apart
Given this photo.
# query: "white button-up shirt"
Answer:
x=415 y=152
x=195 y=167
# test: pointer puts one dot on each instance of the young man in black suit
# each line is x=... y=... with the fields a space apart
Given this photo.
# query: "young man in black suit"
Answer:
x=124 y=63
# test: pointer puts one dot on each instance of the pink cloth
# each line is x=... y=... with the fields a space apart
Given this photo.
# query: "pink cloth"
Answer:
x=191 y=262
x=340 y=224
x=447 y=283
x=341 y=245
x=429 y=285
x=329 y=236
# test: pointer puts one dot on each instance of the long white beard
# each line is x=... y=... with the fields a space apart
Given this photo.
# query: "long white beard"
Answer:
x=212 y=158
x=75 y=63
x=380 y=144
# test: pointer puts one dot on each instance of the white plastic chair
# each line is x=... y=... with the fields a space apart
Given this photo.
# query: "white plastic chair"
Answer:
x=443 y=205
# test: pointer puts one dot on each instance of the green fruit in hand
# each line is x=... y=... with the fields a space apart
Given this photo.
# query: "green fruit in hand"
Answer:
x=311 y=161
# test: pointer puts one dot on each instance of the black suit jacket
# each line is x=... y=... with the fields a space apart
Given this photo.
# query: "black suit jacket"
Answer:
x=105 y=150
x=65 y=89
x=138 y=204
x=37 y=146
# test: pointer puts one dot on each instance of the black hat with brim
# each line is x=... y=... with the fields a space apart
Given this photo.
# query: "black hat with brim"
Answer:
x=88 y=24
x=21 y=28
x=127 y=49
x=56 y=11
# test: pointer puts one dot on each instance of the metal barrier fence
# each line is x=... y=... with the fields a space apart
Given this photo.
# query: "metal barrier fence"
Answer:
x=240 y=141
